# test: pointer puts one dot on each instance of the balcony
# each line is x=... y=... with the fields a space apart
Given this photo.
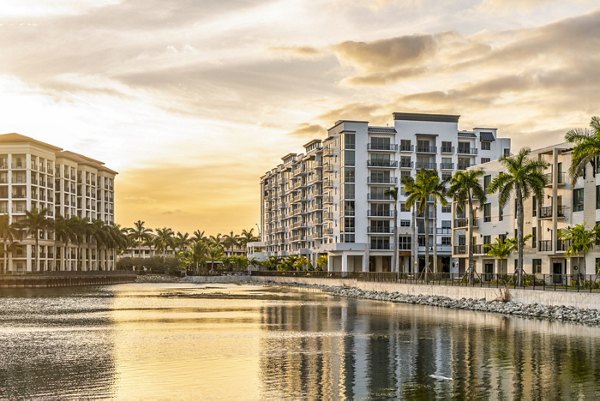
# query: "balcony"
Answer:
x=545 y=246
x=406 y=148
x=447 y=150
x=562 y=179
x=463 y=223
x=479 y=249
x=389 y=147
x=460 y=250
x=380 y=247
x=328 y=183
x=464 y=166
x=406 y=164
x=467 y=151
x=382 y=180
x=562 y=245
x=379 y=230
x=546 y=212
x=382 y=163
x=447 y=166
x=328 y=199
x=426 y=149
x=378 y=196
x=426 y=165
x=380 y=213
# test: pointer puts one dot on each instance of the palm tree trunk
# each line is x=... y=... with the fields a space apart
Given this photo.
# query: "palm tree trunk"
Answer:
x=435 y=261
x=395 y=267
x=471 y=267
x=426 y=226
x=520 y=243
x=37 y=253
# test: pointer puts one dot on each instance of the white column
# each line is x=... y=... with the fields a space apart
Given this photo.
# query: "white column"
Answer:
x=344 y=263
x=365 y=262
x=329 y=262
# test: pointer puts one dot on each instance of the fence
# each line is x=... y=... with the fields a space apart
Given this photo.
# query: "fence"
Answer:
x=542 y=282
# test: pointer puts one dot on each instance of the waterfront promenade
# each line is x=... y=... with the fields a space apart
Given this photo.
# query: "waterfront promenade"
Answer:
x=66 y=279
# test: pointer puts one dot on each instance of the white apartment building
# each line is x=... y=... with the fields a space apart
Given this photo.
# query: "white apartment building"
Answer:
x=331 y=199
x=562 y=205
x=34 y=174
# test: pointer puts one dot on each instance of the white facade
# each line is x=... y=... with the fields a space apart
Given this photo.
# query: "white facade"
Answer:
x=562 y=205
x=331 y=199
x=36 y=174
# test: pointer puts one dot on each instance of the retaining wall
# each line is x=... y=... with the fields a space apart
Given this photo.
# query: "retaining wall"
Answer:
x=556 y=298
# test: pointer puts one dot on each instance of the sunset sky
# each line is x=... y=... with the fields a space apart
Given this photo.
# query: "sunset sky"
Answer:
x=193 y=100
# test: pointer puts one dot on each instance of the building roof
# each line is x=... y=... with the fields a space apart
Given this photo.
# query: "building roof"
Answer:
x=84 y=160
x=383 y=130
x=438 y=118
x=467 y=134
x=18 y=138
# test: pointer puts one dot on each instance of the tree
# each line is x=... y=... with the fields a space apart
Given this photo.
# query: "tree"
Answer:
x=465 y=186
x=393 y=192
x=586 y=150
x=34 y=223
x=426 y=187
x=80 y=228
x=230 y=241
x=8 y=233
x=501 y=249
x=198 y=236
x=140 y=235
x=524 y=177
x=163 y=240
x=63 y=234
x=322 y=261
x=182 y=240
x=581 y=241
x=247 y=236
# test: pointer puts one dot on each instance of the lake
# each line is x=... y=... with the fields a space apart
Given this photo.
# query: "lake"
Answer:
x=230 y=342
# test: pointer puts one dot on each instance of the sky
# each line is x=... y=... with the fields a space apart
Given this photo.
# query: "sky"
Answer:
x=193 y=100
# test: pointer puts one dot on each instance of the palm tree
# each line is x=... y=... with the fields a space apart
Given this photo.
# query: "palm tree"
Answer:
x=216 y=240
x=421 y=190
x=80 y=229
x=464 y=187
x=140 y=235
x=393 y=192
x=230 y=241
x=199 y=252
x=199 y=236
x=247 y=236
x=586 y=150
x=501 y=249
x=182 y=240
x=524 y=177
x=581 y=241
x=8 y=233
x=163 y=240
x=34 y=223
x=64 y=234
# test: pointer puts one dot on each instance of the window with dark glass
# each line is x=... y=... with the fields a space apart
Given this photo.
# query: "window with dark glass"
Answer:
x=578 y=200
x=487 y=212
x=486 y=182
x=405 y=145
x=446 y=147
x=533 y=236
x=536 y=266
x=349 y=141
x=485 y=145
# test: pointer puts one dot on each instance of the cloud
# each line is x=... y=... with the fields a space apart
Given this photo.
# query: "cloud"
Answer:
x=308 y=130
x=297 y=51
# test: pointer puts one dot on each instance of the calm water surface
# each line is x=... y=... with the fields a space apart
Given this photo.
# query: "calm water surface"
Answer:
x=228 y=342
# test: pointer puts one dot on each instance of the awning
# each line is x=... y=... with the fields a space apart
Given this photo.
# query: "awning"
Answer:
x=486 y=137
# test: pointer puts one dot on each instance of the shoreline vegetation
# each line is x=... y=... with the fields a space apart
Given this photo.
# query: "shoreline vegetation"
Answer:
x=565 y=314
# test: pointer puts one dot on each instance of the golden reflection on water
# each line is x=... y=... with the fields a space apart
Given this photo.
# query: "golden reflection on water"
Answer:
x=227 y=342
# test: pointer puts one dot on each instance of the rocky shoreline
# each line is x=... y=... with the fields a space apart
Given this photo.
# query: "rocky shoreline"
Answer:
x=590 y=317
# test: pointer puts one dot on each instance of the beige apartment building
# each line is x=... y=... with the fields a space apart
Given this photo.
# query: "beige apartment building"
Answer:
x=34 y=174
x=562 y=205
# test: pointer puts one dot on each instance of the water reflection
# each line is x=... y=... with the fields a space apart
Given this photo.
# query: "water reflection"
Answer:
x=140 y=342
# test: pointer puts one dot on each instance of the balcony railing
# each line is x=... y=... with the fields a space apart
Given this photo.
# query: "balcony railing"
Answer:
x=460 y=250
x=447 y=166
x=426 y=149
x=380 y=247
x=406 y=164
x=549 y=179
x=447 y=149
x=389 y=147
x=426 y=165
x=377 y=196
x=546 y=212
x=380 y=213
x=460 y=223
x=382 y=163
x=406 y=148
x=562 y=245
x=379 y=230
x=467 y=151
x=463 y=166
x=382 y=180
x=545 y=246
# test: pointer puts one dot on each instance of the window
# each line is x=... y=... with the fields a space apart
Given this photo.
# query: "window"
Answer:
x=403 y=207
x=380 y=143
x=533 y=206
x=597 y=196
x=447 y=241
x=349 y=225
x=486 y=182
x=349 y=208
x=405 y=145
x=404 y=242
x=404 y=223
x=464 y=147
x=349 y=141
x=447 y=209
x=405 y=161
x=500 y=214
x=487 y=239
x=348 y=158
x=349 y=191
x=533 y=236
x=578 y=200
x=446 y=224
x=485 y=145
x=487 y=212
x=536 y=266
x=506 y=152
x=446 y=147
x=380 y=243
x=485 y=159
x=349 y=174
